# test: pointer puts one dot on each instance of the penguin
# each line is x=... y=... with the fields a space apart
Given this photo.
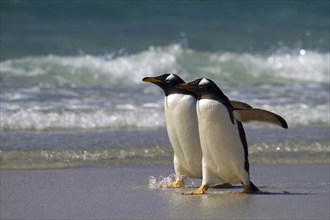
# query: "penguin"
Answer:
x=222 y=136
x=182 y=127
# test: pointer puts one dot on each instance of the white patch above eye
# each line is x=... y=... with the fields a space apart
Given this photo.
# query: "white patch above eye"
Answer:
x=170 y=77
x=203 y=82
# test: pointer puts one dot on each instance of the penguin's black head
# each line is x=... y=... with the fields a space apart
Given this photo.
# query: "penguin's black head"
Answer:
x=205 y=89
x=168 y=82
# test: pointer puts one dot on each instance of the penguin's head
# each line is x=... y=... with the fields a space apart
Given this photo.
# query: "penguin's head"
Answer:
x=204 y=88
x=168 y=82
x=192 y=86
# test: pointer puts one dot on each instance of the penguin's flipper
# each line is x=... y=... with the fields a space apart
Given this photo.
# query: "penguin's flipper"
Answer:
x=247 y=115
x=240 y=105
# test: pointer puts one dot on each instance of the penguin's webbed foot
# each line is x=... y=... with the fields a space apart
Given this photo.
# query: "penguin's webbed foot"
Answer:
x=177 y=184
x=246 y=190
x=201 y=190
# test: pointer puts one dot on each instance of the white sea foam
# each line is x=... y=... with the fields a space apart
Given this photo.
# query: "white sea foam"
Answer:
x=309 y=66
x=29 y=119
x=96 y=92
x=72 y=69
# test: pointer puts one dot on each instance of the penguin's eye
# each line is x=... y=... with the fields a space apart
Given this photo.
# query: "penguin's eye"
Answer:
x=200 y=85
x=167 y=80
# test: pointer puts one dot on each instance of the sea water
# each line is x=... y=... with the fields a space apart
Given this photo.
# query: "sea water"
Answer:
x=71 y=76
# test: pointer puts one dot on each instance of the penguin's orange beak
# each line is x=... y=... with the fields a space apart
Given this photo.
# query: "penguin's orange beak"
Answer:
x=151 y=80
x=185 y=86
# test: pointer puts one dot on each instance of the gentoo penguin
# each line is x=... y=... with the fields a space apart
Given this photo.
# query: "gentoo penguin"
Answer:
x=222 y=137
x=182 y=126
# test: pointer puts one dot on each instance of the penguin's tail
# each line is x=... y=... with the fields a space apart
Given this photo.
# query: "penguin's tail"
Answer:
x=253 y=187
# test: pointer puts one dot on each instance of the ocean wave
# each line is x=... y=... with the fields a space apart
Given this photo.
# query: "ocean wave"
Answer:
x=296 y=64
x=99 y=92
x=64 y=158
x=86 y=69
x=35 y=120
x=53 y=159
x=143 y=117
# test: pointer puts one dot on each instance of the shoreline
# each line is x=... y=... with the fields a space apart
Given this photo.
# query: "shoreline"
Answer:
x=67 y=149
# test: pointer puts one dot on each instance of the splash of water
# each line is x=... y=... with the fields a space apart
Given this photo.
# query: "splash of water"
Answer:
x=162 y=181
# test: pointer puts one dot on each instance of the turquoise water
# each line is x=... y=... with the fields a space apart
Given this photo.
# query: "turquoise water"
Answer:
x=104 y=27
x=75 y=68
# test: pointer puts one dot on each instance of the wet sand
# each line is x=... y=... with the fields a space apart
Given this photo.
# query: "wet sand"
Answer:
x=295 y=191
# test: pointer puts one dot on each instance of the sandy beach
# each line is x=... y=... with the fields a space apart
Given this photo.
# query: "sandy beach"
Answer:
x=298 y=191
x=81 y=133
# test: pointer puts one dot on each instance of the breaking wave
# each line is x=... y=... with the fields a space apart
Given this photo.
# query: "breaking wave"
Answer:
x=96 y=92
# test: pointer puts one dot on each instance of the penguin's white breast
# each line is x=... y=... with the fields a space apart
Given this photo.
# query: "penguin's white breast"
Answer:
x=182 y=126
x=181 y=117
x=181 y=109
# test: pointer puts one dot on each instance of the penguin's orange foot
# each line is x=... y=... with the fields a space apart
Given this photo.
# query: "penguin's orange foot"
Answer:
x=201 y=190
x=177 y=184
x=246 y=190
